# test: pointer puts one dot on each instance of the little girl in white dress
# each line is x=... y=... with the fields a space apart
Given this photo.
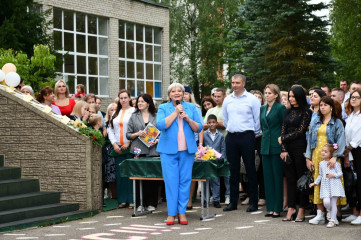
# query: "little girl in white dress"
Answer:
x=331 y=186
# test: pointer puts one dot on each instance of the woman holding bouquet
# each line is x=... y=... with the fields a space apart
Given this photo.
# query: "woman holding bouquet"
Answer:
x=178 y=121
x=144 y=114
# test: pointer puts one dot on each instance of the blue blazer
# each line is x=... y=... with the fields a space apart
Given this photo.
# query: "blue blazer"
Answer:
x=168 y=140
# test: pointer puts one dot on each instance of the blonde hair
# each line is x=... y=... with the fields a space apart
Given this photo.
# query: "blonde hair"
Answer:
x=93 y=106
x=94 y=119
x=284 y=94
x=77 y=108
x=56 y=89
x=193 y=100
x=107 y=117
x=275 y=90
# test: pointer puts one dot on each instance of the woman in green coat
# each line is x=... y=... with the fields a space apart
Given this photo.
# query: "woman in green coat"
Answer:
x=271 y=117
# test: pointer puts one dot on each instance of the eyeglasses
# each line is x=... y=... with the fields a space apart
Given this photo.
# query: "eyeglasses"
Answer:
x=355 y=98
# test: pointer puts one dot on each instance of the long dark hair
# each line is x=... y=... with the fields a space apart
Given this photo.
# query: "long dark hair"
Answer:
x=207 y=99
x=119 y=106
x=300 y=96
x=328 y=100
x=148 y=99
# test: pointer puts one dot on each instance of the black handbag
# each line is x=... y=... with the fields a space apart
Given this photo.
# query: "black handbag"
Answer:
x=303 y=183
x=288 y=160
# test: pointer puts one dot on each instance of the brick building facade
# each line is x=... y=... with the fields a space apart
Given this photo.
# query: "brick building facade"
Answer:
x=108 y=45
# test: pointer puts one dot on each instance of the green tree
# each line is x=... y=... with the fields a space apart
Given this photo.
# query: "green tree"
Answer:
x=22 y=25
x=346 y=37
x=38 y=71
x=198 y=31
x=282 y=42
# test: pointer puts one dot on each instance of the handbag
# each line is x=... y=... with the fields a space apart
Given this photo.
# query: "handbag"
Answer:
x=303 y=183
x=288 y=160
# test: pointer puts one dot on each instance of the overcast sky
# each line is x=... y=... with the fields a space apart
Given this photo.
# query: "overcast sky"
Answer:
x=324 y=12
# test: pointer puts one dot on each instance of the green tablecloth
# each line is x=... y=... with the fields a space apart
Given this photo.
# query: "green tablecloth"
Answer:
x=152 y=168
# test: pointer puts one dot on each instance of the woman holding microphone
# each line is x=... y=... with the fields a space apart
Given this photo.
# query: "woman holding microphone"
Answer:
x=178 y=121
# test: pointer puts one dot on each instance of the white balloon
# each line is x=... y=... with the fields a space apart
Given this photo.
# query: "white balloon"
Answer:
x=12 y=79
x=2 y=75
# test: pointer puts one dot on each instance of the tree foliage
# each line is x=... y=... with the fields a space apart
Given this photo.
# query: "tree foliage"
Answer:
x=198 y=31
x=346 y=37
x=22 y=25
x=281 y=42
x=38 y=71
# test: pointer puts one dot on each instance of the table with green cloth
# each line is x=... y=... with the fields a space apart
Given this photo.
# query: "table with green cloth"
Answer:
x=150 y=168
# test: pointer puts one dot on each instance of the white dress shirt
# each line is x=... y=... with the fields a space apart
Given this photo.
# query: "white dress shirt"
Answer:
x=114 y=133
x=241 y=113
x=353 y=131
x=347 y=96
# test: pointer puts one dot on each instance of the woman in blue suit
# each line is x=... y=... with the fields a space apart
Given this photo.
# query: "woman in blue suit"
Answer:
x=178 y=121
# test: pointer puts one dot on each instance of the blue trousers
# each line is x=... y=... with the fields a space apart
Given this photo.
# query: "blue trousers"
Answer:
x=177 y=174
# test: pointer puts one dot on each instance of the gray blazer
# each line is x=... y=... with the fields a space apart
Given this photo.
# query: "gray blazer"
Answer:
x=218 y=144
x=135 y=124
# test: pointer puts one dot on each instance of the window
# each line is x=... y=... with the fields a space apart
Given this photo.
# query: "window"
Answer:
x=82 y=41
x=140 y=59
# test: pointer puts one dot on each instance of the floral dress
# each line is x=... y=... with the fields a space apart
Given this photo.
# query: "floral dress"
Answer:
x=316 y=159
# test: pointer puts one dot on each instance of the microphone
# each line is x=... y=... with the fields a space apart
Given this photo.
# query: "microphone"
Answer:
x=178 y=102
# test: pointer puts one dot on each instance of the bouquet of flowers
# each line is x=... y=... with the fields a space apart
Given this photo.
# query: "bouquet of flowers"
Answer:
x=207 y=153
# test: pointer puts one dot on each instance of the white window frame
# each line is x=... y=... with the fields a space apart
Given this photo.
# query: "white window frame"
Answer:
x=86 y=54
x=144 y=61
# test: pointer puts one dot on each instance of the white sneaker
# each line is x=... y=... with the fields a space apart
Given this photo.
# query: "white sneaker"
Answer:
x=357 y=221
x=151 y=208
x=331 y=224
x=246 y=201
x=140 y=209
x=319 y=219
x=349 y=218
x=227 y=201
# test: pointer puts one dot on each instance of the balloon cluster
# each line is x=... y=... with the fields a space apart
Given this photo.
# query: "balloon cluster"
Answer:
x=8 y=75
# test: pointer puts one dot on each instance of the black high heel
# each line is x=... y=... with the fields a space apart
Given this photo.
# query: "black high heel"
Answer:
x=293 y=217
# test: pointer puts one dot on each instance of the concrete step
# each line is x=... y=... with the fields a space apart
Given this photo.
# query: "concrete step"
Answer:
x=28 y=200
x=38 y=211
x=7 y=173
x=45 y=220
x=18 y=186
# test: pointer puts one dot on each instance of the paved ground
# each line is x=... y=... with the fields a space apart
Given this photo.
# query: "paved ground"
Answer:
x=118 y=224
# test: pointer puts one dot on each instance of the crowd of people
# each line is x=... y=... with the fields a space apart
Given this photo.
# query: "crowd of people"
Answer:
x=288 y=132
